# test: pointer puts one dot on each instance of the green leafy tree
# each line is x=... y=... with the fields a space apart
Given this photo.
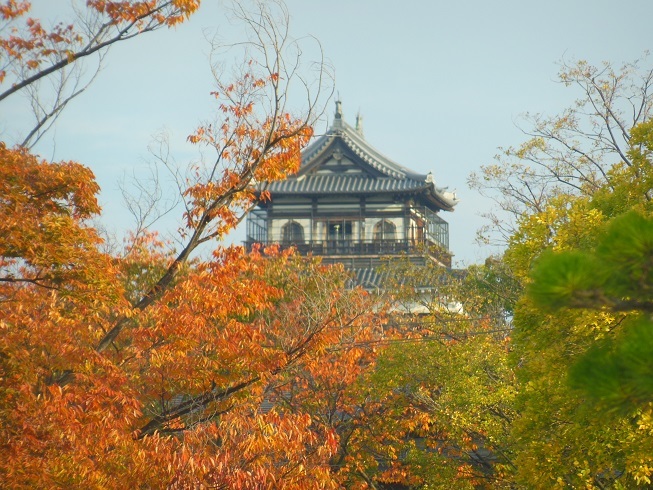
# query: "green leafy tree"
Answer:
x=444 y=383
x=583 y=333
x=568 y=195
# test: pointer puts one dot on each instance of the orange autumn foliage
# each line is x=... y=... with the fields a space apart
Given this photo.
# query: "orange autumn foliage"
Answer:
x=156 y=369
x=29 y=51
x=146 y=367
x=178 y=398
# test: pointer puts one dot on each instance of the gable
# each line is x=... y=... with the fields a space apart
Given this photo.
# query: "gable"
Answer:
x=338 y=159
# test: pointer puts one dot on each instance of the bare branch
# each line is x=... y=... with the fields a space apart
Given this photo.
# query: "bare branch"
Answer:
x=244 y=140
x=571 y=153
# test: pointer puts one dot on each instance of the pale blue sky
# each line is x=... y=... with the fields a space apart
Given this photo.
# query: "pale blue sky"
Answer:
x=439 y=84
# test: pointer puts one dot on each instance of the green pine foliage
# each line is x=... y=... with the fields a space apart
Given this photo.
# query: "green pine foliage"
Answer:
x=627 y=251
x=618 y=373
x=567 y=279
x=617 y=276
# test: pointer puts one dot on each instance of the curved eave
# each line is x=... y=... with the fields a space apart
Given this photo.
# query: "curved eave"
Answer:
x=368 y=154
x=392 y=178
x=374 y=158
x=440 y=197
x=316 y=186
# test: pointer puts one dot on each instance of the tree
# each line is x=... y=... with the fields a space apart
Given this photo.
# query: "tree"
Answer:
x=614 y=277
x=582 y=333
x=560 y=190
x=443 y=388
x=31 y=53
x=570 y=153
x=332 y=391
x=154 y=368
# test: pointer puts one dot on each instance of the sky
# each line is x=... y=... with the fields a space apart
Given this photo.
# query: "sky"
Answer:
x=440 y=84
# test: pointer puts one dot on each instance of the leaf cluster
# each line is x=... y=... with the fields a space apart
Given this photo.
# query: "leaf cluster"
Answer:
x=582 y=338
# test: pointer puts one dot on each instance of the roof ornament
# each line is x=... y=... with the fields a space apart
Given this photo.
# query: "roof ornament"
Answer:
x=338 y=109
x=429 y=178
x=359 y=124
x=338 y=122
x=337 y=156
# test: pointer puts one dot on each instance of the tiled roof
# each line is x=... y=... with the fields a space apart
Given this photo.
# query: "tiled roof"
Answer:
x=378 y=173
x=373 y=278
x=334 y=184
x=361 y=148
x=369 y=278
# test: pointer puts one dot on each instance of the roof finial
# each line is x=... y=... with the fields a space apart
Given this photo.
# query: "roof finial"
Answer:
x=338 y=109
x=359 y=124
x=338 y=122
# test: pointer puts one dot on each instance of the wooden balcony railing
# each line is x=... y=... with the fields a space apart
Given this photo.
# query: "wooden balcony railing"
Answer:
x=345 y=247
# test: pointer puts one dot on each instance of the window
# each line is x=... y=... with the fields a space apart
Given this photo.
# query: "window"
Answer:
x=340 y=236
x=292 y=232
x=384 y=230
x=340 y=230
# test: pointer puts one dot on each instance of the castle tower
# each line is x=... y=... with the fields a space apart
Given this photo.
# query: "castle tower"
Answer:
x=350 y=204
